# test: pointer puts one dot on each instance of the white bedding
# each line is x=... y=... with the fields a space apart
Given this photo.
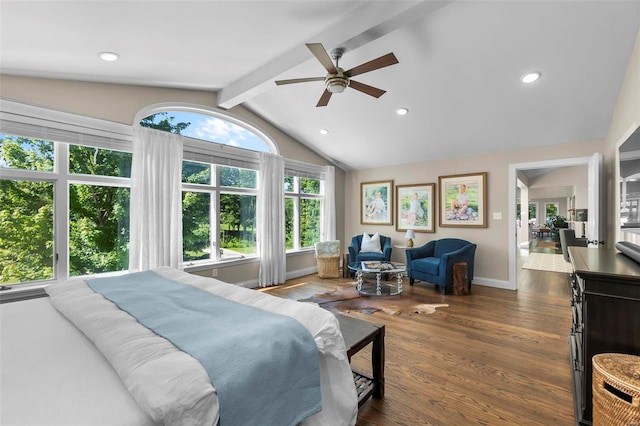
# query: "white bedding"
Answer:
x=149 y=387
x=52 y=375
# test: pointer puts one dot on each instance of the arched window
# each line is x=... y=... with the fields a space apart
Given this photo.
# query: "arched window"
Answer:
x=206 y=124
x=219 y=179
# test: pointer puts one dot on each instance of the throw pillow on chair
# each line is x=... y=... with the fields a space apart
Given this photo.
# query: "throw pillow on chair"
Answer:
x=370 y=244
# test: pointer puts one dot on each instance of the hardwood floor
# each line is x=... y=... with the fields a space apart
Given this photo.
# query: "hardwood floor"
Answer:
x=494 y=357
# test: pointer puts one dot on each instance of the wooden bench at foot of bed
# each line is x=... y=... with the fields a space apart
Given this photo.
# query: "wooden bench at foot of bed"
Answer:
x=357 y=335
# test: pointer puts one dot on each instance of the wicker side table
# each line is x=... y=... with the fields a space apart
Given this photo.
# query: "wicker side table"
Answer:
x=616 y=389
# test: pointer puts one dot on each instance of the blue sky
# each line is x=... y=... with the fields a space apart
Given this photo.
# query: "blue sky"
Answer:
x=216 y=130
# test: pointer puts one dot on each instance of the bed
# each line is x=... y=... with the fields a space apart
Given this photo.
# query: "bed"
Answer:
x=53 y=373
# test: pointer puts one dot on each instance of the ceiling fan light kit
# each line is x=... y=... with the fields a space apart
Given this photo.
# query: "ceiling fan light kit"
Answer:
x=336 y=83
x=337 y=79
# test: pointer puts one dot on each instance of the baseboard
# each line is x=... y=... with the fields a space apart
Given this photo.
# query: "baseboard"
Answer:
x=302 y=272
x=488 y=282
x=288 y=276
x=248 y=284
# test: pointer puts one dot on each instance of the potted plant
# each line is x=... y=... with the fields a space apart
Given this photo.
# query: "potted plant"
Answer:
x=556 y=222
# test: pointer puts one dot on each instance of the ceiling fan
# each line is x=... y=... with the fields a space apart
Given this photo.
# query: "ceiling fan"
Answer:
x=338 y=79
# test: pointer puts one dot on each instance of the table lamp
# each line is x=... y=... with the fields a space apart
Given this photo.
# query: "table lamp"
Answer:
x=410 y=236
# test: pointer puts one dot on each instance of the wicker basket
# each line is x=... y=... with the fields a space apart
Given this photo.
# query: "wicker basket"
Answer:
x=328 y=258
x=616 y=389
x=328 y=266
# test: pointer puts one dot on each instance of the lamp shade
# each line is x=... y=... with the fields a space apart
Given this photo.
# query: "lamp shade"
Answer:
x=410 y=235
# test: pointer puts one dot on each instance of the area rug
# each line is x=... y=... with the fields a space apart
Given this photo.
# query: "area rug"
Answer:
x=347 y=299
x=547 y=244
x=537 y=246
x=547 y=262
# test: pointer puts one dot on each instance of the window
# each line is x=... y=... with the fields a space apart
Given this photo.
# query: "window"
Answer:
x=302 y=212
x=208 y=126
x=220 y=186
x=533 y=213
x=236 y=221
x=551 y=209
x=65 y=191
x=26 y=231
x=220 y=182
x=39 y=178
x=26 y=210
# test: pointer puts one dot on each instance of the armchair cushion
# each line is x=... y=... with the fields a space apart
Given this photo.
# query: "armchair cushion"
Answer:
x=430 y=265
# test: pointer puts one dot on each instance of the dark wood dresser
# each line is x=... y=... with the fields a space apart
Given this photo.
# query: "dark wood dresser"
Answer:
x=606 y=316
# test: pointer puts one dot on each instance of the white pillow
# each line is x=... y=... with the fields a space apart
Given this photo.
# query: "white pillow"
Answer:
x=370 y=244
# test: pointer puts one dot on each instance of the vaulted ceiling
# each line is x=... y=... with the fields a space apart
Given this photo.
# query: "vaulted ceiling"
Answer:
x=459 y=69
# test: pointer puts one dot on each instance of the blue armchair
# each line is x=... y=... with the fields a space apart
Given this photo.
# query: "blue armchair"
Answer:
x=433 y=262
x=356 y=256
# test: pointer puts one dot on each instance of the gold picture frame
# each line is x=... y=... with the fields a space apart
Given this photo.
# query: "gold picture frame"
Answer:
x=376 y=203
x=415 y=207
x=463 y=200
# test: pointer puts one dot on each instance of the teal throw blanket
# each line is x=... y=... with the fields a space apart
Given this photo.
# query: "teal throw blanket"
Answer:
x=264 y=366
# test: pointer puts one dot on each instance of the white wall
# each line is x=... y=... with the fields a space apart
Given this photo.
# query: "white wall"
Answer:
x=492 y=255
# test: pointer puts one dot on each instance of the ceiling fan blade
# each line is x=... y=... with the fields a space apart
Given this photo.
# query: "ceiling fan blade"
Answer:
x=321 y=55
x=324 y=99
x=365 y=88
x=381 y=62
x=299 y=80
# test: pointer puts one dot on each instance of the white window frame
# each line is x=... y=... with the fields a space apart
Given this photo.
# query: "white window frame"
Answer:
x=68 y=128
x=63 y=129
x=299 y=169
x=215 y=190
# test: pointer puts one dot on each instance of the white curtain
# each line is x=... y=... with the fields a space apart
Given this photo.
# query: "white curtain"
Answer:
x=270 y=240
x=329 y=209
x=156 y=200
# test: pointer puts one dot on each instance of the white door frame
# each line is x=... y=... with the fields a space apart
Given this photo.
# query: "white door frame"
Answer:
x=513 y=175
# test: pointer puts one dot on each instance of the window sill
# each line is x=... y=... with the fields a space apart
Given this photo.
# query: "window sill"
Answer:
x=204 y=265
x=301 y=252
x=23 y=292
x=32 y=291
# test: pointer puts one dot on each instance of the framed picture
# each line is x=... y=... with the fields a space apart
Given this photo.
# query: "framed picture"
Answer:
x=415 y=207
x=376 y=203
x=462 y=200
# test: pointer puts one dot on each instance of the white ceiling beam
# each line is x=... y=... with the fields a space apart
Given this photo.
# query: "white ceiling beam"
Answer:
x=366 y=24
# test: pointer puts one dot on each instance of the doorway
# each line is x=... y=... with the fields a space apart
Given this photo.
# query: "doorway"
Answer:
x=594 y=164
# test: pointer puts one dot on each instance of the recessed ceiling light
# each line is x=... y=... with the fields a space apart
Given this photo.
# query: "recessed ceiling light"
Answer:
x=323 y=131
x=108 y=56
x=530 y=77
x=402 y=111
